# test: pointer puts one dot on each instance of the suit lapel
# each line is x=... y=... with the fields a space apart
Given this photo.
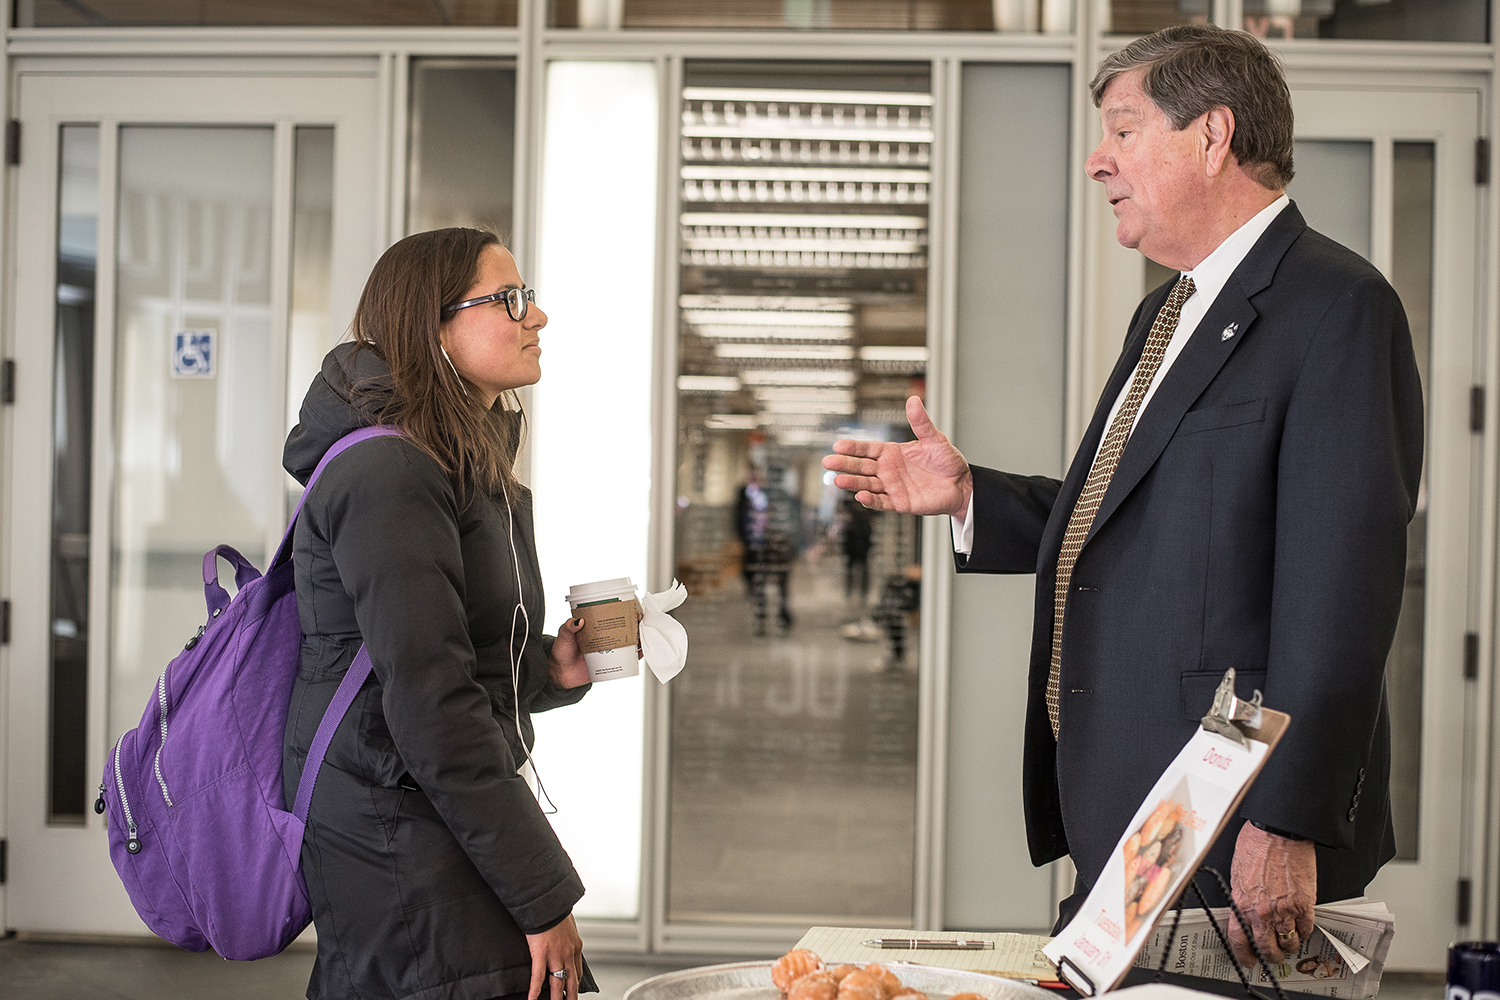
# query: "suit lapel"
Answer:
x=1200 y=361
x=1083 y=458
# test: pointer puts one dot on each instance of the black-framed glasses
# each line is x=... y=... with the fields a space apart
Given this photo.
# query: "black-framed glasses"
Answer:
x=516 y=302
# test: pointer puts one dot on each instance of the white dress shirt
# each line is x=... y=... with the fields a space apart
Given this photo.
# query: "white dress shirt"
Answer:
x=1209 y=278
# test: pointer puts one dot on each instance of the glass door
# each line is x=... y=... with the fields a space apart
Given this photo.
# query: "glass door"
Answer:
x=198 y=262
x=1390 y=175
x=802 y=318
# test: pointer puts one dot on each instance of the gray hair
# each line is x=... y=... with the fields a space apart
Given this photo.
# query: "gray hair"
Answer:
x=1192 y=68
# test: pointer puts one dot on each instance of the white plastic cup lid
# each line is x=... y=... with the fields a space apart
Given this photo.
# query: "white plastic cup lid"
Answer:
x=585 y=592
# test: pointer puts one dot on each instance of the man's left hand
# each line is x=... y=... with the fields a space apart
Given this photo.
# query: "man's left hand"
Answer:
x=1275 y=884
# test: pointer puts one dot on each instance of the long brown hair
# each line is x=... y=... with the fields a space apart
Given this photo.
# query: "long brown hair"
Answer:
x=400 y=317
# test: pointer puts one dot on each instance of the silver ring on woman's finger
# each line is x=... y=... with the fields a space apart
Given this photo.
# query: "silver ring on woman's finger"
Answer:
x=559 y=974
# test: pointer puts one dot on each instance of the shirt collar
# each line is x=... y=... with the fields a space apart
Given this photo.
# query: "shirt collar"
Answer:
x=1214 y=270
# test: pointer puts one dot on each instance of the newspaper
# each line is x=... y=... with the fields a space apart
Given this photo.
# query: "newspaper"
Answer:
x=1344 y=957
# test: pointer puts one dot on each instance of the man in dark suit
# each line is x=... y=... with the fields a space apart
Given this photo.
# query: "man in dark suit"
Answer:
x=1240 y=499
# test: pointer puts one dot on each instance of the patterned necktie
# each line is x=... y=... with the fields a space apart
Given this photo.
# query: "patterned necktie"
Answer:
x=1103 y=471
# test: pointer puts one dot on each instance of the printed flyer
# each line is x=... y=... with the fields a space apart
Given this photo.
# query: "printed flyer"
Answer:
x=1165 y=842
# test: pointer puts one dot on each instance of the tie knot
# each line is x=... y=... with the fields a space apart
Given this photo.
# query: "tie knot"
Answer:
x=1181 y=291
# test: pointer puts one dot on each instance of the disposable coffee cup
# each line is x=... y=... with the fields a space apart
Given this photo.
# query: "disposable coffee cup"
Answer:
x=611 y=631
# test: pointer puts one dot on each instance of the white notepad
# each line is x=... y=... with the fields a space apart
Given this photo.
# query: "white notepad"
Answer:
x=1015 y=956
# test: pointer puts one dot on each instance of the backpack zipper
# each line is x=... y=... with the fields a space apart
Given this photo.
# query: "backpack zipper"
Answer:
x=133 y=845
x=161 y=697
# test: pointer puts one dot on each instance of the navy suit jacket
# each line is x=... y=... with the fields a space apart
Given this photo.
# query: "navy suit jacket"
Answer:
x=1257 y=520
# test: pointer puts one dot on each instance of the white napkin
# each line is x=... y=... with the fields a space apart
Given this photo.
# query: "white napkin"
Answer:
x=663 y=639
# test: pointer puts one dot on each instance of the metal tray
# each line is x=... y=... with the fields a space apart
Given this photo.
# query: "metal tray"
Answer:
x=752 y=981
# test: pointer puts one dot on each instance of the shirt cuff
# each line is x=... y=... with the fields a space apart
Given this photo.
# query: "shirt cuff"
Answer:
x=963 y=530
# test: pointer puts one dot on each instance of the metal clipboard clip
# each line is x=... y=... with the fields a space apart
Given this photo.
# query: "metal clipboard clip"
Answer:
x=1230 y=716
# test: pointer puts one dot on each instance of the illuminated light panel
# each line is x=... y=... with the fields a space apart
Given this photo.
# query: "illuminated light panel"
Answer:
x=772 y=419
x=798 y=376
x=802 y=220
x=772 y=128
x=806 y=393
x=892 y=353
x=806 y=406
x=868 y=175
x=749 y=317
x=597 y=382
x=707 y=383
x=732 y=243
x=764 y=303
x=787 y=352
x=766 y=95
x=731 y=422
x=716 y=332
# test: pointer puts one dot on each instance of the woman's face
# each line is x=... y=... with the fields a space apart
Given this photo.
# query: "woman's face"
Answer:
x=489 y=349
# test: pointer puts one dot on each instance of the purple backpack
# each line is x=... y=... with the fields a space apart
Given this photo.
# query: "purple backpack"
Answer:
x=198 y=827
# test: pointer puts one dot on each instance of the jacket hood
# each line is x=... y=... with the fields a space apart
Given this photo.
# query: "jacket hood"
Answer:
x=334 y=406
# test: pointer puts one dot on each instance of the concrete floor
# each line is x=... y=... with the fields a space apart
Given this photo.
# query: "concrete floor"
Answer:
x=36 y=970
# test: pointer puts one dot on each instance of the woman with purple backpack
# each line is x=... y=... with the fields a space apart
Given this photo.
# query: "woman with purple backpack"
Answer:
x=432 y=869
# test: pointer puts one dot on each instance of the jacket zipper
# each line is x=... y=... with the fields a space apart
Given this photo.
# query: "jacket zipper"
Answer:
x=133 y=845
x=161 y=697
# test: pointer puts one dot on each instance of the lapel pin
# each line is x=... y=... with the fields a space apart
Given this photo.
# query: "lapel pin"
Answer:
x=1229 y=331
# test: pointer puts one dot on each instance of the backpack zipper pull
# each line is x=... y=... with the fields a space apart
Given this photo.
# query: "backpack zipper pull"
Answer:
x=133 y=845
x=99 y=802
x=194 y=640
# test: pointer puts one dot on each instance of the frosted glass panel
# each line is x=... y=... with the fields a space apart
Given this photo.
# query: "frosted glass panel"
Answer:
x=311 y=331
x=462 y=146
x=1332 y=189
x=72 y=469
x=197 y=442
x=1412 y=217
x=1009 y=393
x=592 y=440
x=1399 y=20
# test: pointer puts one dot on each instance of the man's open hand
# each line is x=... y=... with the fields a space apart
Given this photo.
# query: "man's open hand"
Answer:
x=925 y=476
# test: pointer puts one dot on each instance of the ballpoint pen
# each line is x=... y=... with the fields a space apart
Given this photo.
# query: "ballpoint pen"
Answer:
x=912 y=944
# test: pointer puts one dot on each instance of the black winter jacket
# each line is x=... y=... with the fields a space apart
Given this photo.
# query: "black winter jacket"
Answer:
x=427 y=857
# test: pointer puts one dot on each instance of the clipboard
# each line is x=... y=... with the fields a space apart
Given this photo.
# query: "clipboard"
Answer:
x=1186 y=811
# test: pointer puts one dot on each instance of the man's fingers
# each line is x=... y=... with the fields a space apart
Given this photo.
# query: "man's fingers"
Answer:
x=921 y=423
x=874 y=501
x=858 y=449
x=1239 y=944
x=1268 y=930
x=538 y=976
x=850 y=464
x=1305 y=923
x=859 y=484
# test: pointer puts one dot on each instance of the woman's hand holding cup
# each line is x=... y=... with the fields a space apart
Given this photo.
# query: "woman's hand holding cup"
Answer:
x=565 y=662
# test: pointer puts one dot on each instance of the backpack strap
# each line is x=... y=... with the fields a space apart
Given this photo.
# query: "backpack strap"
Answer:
x=359 y=670
x=354 y=679
x=343 y=444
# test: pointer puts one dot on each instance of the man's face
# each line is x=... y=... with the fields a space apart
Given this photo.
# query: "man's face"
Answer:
x=1156 y=177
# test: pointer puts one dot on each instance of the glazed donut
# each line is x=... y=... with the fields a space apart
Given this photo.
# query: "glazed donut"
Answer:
x=862 y=986
x=793 y=966
x=814 y=986
x=838 y=972
x=888 y=980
